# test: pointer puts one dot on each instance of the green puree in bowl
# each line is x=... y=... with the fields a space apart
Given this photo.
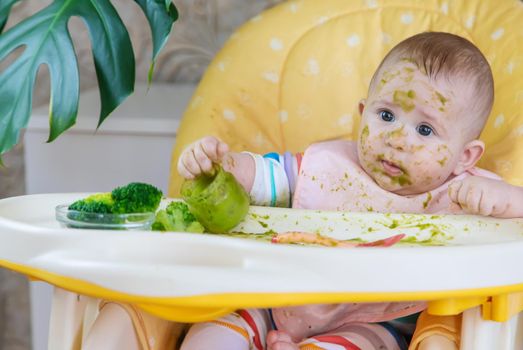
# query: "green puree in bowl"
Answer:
x=217 y=200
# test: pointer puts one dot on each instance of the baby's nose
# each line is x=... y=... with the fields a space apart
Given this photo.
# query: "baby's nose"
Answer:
x=396 y=139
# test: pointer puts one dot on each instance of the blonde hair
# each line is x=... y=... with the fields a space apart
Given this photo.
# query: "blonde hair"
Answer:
x=453 y=57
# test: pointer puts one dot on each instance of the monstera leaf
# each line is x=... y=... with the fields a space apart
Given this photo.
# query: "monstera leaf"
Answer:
x=5 y=7
x=45 y=39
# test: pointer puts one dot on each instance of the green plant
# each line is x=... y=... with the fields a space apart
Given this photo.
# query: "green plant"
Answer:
x=46 y=40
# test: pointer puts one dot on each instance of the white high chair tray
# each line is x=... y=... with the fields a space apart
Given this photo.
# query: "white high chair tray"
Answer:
x=478 y=253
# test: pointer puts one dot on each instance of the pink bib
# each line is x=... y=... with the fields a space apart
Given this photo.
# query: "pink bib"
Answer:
x=331 y=179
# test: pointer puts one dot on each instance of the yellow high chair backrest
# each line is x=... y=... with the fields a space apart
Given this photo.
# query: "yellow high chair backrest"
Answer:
x=294 y=74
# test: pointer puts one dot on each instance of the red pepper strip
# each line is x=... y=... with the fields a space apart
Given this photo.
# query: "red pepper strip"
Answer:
x=311 y=238
x=386 y=242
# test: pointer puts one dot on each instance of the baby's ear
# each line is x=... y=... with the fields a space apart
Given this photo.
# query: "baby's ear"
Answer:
x=362 y=105
x=470 y=156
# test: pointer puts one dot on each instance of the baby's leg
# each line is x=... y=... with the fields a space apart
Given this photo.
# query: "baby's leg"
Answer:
x=355 y=336
x=437 y=342
x=113 y=329
x=242 y=330
x=277 y=340
x=124 y=326
x=436 y=333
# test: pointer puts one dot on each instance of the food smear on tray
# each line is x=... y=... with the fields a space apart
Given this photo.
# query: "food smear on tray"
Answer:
x=215 y=204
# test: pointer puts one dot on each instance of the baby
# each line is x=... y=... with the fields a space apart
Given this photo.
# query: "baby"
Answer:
x=416 y=152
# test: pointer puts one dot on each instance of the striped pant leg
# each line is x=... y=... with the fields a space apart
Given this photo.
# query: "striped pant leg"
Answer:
x=241 y=330
x=357 y=336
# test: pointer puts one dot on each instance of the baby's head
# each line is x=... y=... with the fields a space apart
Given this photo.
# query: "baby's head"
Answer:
x=427 y=103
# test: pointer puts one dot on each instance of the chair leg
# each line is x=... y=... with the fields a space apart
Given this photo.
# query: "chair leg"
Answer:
x=67 y=319
x=478 y=334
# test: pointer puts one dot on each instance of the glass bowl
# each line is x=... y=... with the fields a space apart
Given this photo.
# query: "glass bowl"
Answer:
x=78 y=219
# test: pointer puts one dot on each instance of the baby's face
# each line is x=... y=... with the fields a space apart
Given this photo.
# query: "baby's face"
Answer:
x=413 y=129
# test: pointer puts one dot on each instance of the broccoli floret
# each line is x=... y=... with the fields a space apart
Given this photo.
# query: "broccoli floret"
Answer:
x=180 y=207
x=195 y=227
x=97 y=203
x=135 y=197
x=164 y=222
x=177 y=217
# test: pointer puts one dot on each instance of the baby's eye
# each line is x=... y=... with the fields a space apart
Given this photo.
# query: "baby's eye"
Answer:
x=386 y=116
x=425 y=130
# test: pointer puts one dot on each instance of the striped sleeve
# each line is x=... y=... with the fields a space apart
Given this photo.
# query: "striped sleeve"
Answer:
x=275 y=179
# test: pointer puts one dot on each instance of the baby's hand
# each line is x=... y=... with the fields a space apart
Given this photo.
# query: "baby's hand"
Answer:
x=199 y=156
x=488 y=197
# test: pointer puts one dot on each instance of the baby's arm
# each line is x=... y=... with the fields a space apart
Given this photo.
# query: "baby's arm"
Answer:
x=199 y=157
x=488 y=197
x=270 y=179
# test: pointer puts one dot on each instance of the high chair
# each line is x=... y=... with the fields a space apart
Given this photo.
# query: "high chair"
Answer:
x=287 y=78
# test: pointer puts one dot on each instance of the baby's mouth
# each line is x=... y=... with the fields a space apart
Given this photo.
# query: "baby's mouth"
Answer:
x=390 y=168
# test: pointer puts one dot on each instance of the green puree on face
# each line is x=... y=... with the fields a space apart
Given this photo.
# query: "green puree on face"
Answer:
x=405 y=99
x=218 y=201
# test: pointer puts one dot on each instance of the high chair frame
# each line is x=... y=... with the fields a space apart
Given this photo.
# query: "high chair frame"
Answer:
x=257 y=94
